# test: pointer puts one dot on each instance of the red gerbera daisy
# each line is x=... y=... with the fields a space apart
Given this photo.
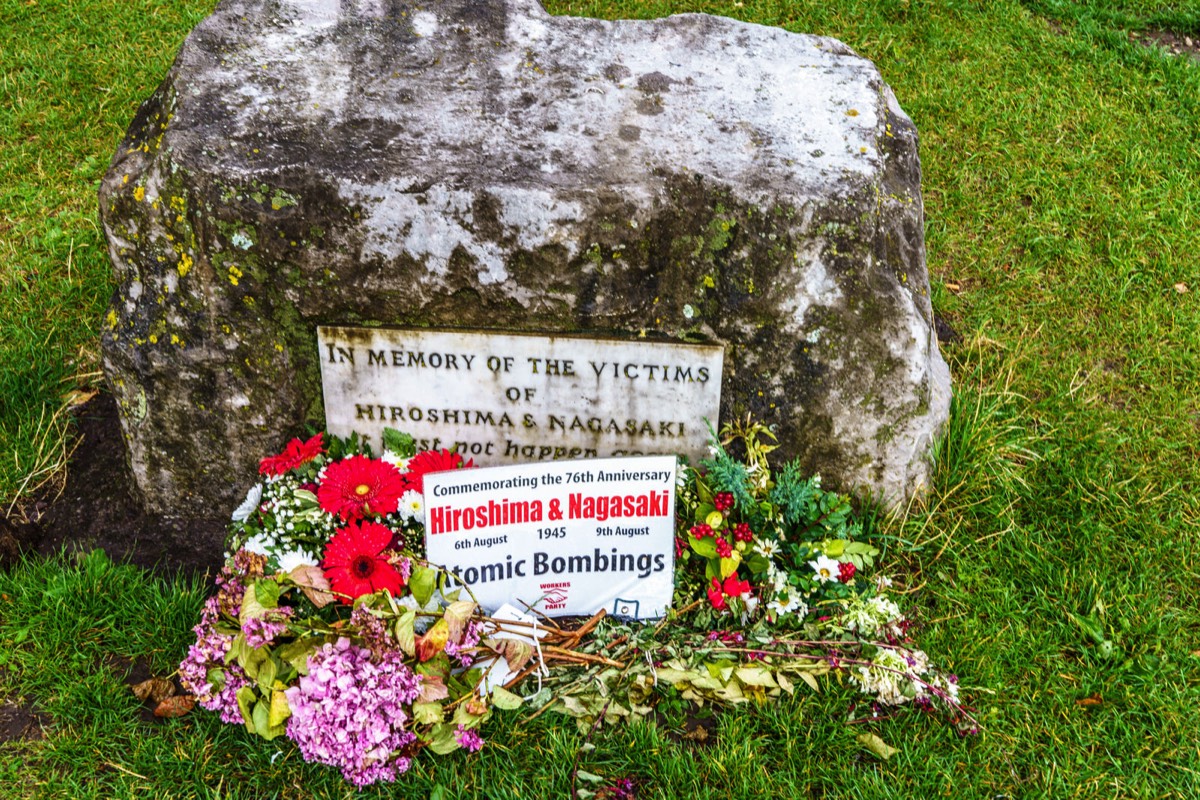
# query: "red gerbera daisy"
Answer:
x=355 y=564
x=297 y=453
x=358 y=486
x=428 y=461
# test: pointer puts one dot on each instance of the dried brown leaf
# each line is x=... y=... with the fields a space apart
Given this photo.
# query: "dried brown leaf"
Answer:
x=516 y=653
x=156 y=689
x=175 y=706
x=313 y=583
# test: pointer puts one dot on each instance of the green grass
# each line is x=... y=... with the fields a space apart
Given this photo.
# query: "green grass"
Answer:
x=1062 y=190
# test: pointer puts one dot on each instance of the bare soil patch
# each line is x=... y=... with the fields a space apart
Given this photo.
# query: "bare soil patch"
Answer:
x=99 y=508
x=1177 y=44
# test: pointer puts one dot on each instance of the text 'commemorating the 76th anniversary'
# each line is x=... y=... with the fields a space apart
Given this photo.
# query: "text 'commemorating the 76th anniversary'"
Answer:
x=508 y=398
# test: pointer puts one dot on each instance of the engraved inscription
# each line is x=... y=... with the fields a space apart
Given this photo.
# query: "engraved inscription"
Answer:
x=505 y=398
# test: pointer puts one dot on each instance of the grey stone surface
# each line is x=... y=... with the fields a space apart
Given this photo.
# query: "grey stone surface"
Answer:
x=482 y=164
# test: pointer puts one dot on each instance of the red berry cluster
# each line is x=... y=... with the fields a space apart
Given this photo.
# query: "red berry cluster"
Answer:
x=723 y=502
x=724 y=548
x=846 y=571
x=701 y=530
x=742 y=533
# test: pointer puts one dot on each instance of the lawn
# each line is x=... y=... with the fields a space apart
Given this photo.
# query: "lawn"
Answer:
x=1062 y=198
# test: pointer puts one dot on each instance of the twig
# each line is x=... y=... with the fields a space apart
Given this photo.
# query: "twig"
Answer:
x=586 y=739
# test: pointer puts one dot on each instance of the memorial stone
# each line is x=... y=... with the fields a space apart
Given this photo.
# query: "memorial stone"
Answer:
x=481 y=165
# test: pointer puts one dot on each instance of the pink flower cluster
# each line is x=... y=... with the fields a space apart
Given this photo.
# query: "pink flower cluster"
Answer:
x=350 y=712
x=261 y=631
x=462 y=649
x=468 y=739
x=206 y=654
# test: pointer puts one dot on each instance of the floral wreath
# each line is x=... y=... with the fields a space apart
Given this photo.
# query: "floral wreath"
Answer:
x=329 y=627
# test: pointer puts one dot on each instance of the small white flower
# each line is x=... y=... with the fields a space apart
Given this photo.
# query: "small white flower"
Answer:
x=767 y=547
x=412 y=505
x=395 y=459
x=249 y=505
x=883 y=582
x=681 y=475
x=826 y=569
x=792 y=605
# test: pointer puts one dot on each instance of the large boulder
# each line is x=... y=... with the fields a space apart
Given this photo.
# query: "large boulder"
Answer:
x=481 y=164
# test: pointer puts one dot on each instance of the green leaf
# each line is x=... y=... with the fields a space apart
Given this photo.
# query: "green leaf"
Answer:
x=405 y=635
x=266 y=675
x=730 y=565
x=402 y=444
x=428 y=713
x=296 y=653
x=441 y=738
x=251 y=607
x=279 y=711
x=252 y=659
x=877 y=746
x=756 y=676
x=705 y=546
x=505 y=700
x=464 y=717
x=266 y=591
x=811 y=680
x=422 y=583
x=262 y=726
x=590 y=777
x=246 y=698
x=307 y=499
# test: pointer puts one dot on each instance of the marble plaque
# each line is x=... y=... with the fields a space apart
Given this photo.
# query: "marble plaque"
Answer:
x=504 y=398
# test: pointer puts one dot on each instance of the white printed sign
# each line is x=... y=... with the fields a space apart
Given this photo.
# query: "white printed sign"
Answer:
x=564 y=538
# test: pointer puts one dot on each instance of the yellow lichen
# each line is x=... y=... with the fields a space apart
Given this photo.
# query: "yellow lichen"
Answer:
x=111 y=318
x=153 y=338
x=139 y=193
x=234 y=274
x=185 y=265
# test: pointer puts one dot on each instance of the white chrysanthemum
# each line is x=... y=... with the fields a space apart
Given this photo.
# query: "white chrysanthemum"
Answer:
x=259 y=543
x=826 y=568
x=395 y=459
x=249 y=505
x=290 y=559
x=412 y=505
